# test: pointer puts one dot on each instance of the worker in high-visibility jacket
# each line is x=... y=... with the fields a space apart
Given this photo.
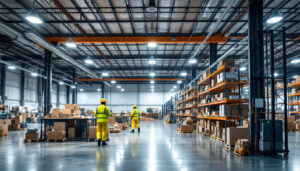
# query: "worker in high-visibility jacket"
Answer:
x=102 y=113
x=135 y=117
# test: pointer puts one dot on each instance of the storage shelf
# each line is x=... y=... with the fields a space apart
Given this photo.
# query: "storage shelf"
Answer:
x=294 y=95
x=226 y=85
x=294 y=112
x=188 y=99
x=189 y=90
x=187 y=107
x=220 y=118
x=185 y=115
x=294 y=104
x=294 y=85
x=222 y=102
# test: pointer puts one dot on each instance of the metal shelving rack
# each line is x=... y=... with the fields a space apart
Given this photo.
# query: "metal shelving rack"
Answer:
x=187 y=96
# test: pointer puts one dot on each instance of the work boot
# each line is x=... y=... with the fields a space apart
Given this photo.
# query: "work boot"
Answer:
x=104 y=143
x=139 y=130
x=99 y=142
x=132 y=131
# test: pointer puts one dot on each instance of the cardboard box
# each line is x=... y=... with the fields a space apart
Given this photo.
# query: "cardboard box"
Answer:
x=227 y=61
x=66 y=111
x=235 y=133
x=54 y=116
x=187 y=128
x=56 y=111
x=72 y=123
x=297 y=79
x=297 y=127
x=112 y=120
x=16 y=126
x=3 y=130
x=32 y=135
x=189 y=121
x=63 y=115
x=71 y=132
x=56 y=135
x=76 y=107
x=60 y=126
x=5 y=122
x=77 y=112
x=93 y=132
x=70 y=106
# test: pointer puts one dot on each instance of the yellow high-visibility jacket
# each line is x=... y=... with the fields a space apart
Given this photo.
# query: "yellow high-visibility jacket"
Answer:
x=102 y=113
x=135 y=114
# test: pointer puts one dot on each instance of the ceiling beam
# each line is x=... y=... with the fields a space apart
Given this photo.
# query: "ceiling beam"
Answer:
x=140 y=68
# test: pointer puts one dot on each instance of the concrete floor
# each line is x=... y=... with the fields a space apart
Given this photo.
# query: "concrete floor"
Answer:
x=157 y=147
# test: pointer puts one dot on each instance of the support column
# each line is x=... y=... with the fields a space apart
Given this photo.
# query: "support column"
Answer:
x=193 y=75
x=102 y=90
x=68 y=95
x=22 y=87
x=138 y=95
x=255 y=69
x=213 y=55
x=48 y=82
x=74 y=90
x=3 y=83
x=57 y=95
x=39 y=92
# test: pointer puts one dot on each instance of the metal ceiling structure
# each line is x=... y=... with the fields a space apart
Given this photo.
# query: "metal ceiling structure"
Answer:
x=114 y=33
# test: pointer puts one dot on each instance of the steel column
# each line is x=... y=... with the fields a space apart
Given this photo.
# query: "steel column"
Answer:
x=68 y=94
x=102 y=90
x=255 y=68
x=74 y=90
x=39 y=92
x=22 y=87
x=48 y=81
x=3 y=83
x=57 y=95
x=193 y=75
x=286 y=142
x=272 y=91
x=213 y=53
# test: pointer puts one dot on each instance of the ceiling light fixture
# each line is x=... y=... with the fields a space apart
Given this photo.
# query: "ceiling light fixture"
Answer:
x=33 y=17
x=152 y=81
x=70 y=43
x=61 y=83
x=275 y=17
x=183 y=74
x=295 y=61
x=73 y=87
x=152 y=61
x=152 y=74
x=89 y=61
x=122 y=89
x=192 y=61
x=179 y=81
x=152 y=86
x=81 y=89
x=174 y=86
x=152 y=44
x=113 y=81
x=34 y=74
x=98 y=89
x=275 y=74
x=104 y=74
x=11 y=67
x=118 y=86
x=243 y=69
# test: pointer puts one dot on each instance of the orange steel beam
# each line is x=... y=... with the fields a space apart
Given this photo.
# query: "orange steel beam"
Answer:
x=129 y=79
x=140 y=39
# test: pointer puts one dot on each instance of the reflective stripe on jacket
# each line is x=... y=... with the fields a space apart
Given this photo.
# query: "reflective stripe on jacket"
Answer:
x=135 y=113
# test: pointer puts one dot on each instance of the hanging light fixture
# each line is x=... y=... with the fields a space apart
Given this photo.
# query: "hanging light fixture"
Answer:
x=11 y=67
x=33 y=17
x=152 y=61
x=70 y=43
x=275 y=17
x=152 y=44
x=61 y=83
x=183 y=74
x=88 y=60
x=113 y=81
x=152 y=74
x=179 y=81
x=192 y=61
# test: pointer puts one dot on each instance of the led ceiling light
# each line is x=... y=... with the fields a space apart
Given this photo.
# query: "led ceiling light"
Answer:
x=73 y=87
x=98 y=89
x=295 y=61
x=81 y=89
x=192 y=61
x=89 y=61
x=122 y=89
x=152 y=81
x=152 y=44
x=61 y=83
x=152 y=74
x=275 y=74
x=243 y=69
x=179 y=81
x=183 y=74
x=113 y=81
x=152 y=86
x=118 y=86
x=33 y=17
x=11 y=67
x=275 y=17
x=152 y=61
x=152 y=7
x=34 y=74
x=71 y=44
x=104 y=74
x=174 y=86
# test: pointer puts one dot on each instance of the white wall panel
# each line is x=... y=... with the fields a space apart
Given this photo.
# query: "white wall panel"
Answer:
x=13 y=87
x=123 y=98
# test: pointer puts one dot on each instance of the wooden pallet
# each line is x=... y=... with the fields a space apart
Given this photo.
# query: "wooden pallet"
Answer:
x=229 y=147
x=36 y=140
x=241 y=152
x=58 y=140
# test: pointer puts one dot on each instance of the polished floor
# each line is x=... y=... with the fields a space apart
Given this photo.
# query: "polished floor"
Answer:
x=157 y=147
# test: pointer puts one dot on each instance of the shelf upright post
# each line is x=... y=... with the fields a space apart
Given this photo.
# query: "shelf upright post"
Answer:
x=273 y=91
x=285 y=92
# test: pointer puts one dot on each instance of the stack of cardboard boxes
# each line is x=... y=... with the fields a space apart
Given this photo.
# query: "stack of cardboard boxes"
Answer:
x=187 y=126
x=235 y=133
x=31 y=136
x=115 y=128
x=4 y=123
x=71 y=110
x=16 y=122
x=59 y=132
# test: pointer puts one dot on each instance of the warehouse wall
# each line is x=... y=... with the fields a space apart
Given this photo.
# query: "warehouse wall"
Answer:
x=123 y=101
x=118 y=101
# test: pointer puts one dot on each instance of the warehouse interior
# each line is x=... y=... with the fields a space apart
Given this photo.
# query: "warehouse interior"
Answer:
x=149 y=84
